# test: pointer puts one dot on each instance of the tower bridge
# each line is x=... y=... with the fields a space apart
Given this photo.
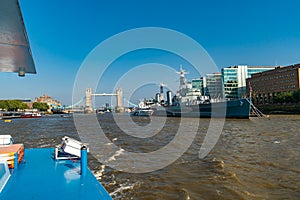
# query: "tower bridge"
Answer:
x=89 y=99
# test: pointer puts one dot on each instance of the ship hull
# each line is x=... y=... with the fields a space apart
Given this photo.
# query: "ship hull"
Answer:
x=228 y=109
x=30 y=116
x=142 y=112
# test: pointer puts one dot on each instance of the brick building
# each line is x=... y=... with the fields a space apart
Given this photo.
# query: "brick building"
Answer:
x=266 y=85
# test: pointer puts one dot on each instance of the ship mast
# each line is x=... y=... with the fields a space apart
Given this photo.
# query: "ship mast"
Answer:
x=182 y=79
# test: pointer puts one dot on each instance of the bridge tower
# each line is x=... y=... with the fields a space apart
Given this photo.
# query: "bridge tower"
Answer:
x=88 y=101
x=120 y=107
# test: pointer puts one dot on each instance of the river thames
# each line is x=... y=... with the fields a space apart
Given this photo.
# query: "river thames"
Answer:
x=255 y=158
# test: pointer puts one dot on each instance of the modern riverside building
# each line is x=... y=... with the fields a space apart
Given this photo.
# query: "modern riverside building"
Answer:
x=199 y=84
x=234 y=79
x=210 y=85
x=214 y=85
x=266 y=85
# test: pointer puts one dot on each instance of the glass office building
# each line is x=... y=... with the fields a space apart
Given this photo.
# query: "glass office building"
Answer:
x=210 y=85
x=199 y=84
x=214 y=85
x=234 y=79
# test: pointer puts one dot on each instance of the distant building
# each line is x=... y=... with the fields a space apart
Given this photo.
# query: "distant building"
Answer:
x=52 y=103
x=199 y=84
x=214 y=86
x=234 y=79
x=210 y=85
x=266 y=85
x=29 y=103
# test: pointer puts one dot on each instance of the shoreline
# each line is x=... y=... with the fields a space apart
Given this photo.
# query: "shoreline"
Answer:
x=280 y=109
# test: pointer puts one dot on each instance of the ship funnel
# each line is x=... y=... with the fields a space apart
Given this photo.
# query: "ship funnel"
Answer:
x=169 y=98
x=157 y=97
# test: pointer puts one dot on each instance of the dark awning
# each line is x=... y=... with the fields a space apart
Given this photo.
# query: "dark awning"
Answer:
x=15 y=53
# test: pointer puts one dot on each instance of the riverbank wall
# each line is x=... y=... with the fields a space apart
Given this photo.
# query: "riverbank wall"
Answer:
x=280 y=108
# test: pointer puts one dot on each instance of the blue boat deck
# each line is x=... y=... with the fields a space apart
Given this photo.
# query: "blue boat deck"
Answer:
x=42 y=177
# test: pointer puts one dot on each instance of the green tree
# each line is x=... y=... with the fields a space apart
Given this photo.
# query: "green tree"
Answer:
x=287 y=97
x=23 y=106
x=12 y=105
x=40 y=106
x=3 y=105
x=296 y=96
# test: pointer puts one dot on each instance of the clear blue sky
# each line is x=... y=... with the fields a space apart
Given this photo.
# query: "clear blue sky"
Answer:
x=63 y=32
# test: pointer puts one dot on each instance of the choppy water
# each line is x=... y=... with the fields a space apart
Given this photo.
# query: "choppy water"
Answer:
x=253 y=159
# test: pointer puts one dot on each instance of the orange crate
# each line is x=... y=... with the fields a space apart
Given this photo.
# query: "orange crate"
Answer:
x=8 y=153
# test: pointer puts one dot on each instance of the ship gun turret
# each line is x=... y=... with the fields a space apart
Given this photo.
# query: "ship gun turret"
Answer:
x=69 y=149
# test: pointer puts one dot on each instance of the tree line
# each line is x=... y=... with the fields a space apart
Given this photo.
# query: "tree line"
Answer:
x=15 y=105
x=287 y=97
